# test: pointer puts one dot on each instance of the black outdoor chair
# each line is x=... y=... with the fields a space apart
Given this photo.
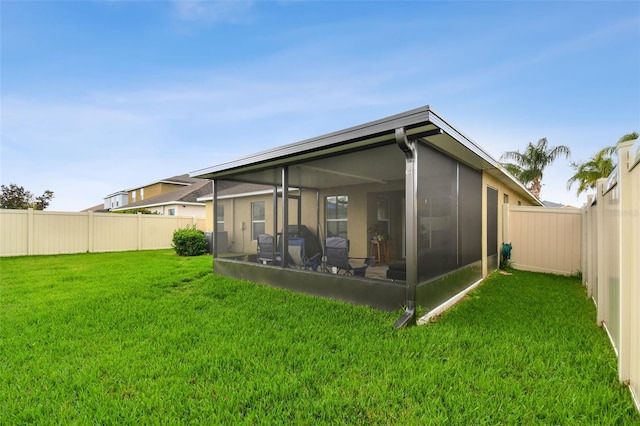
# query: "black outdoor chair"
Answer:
x=337 y=251
x=298 y=255
x=267 y=249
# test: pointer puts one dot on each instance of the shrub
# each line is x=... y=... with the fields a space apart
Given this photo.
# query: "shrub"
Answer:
x=189 y=241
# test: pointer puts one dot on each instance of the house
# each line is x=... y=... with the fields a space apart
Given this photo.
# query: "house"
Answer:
x=116 y=200
x=179 y=201
x=163 y=186
x=433 y=192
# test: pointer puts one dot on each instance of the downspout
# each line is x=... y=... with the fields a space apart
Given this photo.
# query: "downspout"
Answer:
x=214 y=206
x=411 y=177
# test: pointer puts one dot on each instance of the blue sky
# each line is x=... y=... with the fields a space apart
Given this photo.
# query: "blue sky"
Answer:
x=99 y=96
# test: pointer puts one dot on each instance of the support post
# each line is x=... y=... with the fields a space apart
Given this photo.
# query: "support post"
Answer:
x=285 y=216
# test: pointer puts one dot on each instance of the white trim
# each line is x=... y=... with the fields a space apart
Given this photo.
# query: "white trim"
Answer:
x=439 y=310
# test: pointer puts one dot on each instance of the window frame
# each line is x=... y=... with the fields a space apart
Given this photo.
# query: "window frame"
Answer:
x=254 y=221
x=343 y=199
x=220 y=223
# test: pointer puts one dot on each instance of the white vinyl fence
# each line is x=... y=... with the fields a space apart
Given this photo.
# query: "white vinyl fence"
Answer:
x=611 y=260
x=32 y=232
x=543 y=239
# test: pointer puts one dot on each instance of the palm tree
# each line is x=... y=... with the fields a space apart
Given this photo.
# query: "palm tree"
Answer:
x=597 y=167
x=629 y=137
x=529 y=165
x=587 y=174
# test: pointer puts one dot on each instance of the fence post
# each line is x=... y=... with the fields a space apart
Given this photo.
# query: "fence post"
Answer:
x=90 y=232
x=602 y=298
x=139 y=224
x=627 y=259
x=584 y=226
x=30 y=231
x=590 y=247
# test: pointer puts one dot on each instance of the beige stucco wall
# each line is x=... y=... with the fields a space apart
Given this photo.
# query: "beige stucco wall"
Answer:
x=180 y=210
x=361 y=214
x=238 y=210
x=152 y=190
x=515 y=199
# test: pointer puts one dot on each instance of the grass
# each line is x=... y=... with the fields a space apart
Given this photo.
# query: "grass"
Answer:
x=152 y=338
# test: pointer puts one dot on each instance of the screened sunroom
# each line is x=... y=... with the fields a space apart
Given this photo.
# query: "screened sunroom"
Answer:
x=410 y=203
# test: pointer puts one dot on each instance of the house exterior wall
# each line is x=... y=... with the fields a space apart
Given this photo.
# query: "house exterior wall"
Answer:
x=360 y=216
x=237 y=211
x=116 y=200
x=515 y=199
x=180 y=210
x=152 y=190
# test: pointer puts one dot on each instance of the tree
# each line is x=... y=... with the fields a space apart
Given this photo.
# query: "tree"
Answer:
x=16 y=197
x=529 y=165
x=597 y=167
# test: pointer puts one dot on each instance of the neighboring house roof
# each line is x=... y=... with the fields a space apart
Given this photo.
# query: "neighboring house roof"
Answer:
x=552 y=204
x=98 y=208
x=117 y=193
x=186 y=195
x=184 y=179
x=315 y=163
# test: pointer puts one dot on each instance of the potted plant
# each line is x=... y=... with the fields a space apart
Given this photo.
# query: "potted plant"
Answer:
x=376 y=234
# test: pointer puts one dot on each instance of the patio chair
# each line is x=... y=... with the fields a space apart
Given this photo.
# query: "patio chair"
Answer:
x=267 y=249
x=337 y=251
x=298 y=255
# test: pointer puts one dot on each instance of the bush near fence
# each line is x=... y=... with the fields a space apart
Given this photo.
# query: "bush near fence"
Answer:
x=34 y=232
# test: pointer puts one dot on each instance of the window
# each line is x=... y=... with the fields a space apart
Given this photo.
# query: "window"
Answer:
x=172 y=212
x=257 y=220
x=220 y=217
x=133 y=196
x=141 y=194
x=336 y=208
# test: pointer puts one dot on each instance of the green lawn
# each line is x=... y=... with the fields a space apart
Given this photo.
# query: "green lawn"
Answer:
x=149 y=338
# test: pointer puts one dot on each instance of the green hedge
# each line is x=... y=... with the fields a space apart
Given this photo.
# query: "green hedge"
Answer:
x=189 y=241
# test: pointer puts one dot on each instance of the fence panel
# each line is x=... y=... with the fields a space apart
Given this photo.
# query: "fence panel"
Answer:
x=613 y=270
x=13 y=228
x=545 y=239
x=629 y=231
x=66 y=232
x=29 y=232
x=157 y=232
x=610 y=276
x=114 y=232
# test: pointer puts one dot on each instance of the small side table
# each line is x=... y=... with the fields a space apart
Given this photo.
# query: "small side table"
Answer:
x=379 y=250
